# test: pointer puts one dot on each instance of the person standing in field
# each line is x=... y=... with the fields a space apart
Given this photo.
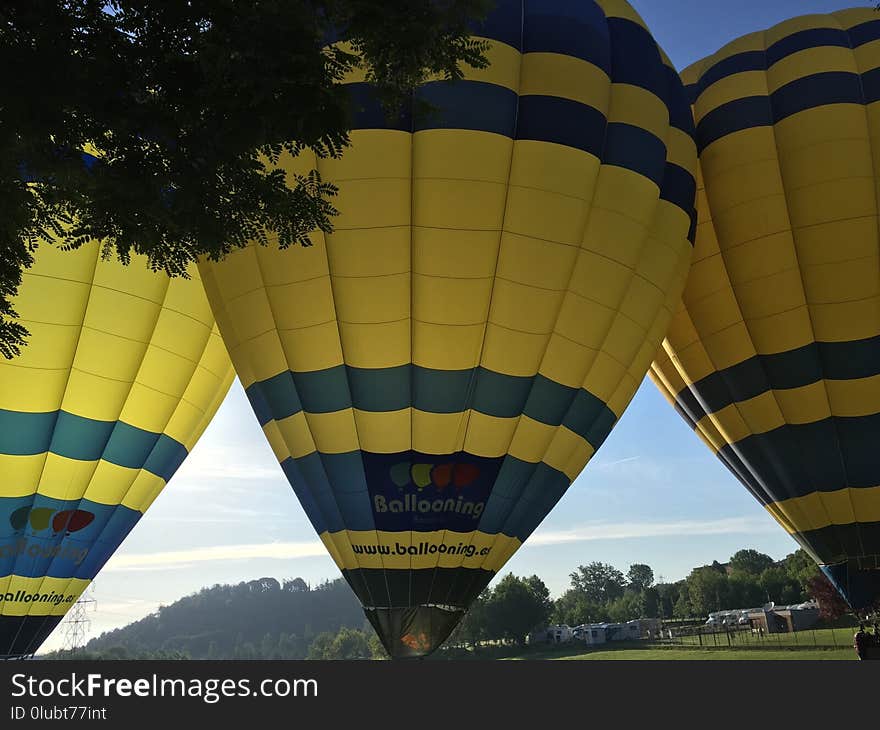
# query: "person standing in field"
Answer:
x=860 y=642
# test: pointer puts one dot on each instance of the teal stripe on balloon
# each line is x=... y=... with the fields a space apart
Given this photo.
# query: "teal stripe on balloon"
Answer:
x=88 y=439
x=433 y=391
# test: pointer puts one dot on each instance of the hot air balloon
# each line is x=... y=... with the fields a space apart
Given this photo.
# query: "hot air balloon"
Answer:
x=774 y=356
x=123 y=371
x=434 y=374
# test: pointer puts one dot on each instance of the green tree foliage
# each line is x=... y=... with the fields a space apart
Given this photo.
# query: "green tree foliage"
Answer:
x=640 y=577
x=667 y=596
x=752 y=580
x=260 y=619
x=683 y=607
x=745 y=591
x=474 y=626
x=268 y=619
x=801 y=569
x=517 y=606
x=188 y=107
x=750 y=561
x=599 y=582
x=629 y=606
x=347 y=643
x=707 y=590
x=574 y=608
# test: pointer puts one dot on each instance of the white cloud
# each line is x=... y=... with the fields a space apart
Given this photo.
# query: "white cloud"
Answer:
x=631 y=530
x=610 y=465
x=209 y=462
x=177 y=559
x=637 y=468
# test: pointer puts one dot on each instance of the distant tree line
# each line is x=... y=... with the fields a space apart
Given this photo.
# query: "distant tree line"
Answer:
x=600 y=592
x=268 y=619
x=258 y=619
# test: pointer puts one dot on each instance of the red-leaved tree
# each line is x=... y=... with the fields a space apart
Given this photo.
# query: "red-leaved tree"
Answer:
x=831 y=604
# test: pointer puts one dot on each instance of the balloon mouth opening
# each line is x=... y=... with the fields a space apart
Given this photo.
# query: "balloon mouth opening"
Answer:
x=414 y=632
x=22 y=636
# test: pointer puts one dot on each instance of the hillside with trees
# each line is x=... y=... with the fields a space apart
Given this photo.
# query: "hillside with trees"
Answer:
x=268 y=619
x=258 y=619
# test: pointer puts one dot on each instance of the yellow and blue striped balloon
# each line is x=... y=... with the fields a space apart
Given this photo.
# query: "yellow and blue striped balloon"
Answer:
x=434 y=374
x=123 y=371
x=774 y=356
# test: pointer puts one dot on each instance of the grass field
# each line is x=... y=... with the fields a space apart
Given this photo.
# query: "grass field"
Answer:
x=804 y=647
x=713 y=655
x=835 y=638
x=810 y=645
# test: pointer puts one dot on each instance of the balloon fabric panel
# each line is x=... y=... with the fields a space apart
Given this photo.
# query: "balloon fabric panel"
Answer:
x=774 y=356
x=434 y=373
x=122 y=373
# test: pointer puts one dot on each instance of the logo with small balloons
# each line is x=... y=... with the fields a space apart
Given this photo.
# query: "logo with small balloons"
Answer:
x=442 y=476
x=427 y=492
x=40 y=533
x=65 y=521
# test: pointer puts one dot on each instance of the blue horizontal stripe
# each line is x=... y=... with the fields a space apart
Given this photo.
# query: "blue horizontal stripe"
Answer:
x=503 y=23
x=561 y=121
x=33 y=552
x=834 y=87
x=795 y=460
x=490 y=108
x=796 y=368
x=568 y=27
x=739 y=63
x=432 y=391
x=636 y=149
x=128 y=446
x=871 y=86
x=473 y=105
x=636 y=59
x=274 y=398
x=485 y=107
x=24 y=434
x=166 y=457
x=865 y=33
x=678 y=187
x=86 y=439
x=785 y=47
x=803 y=40
x=367 y=112
x=734 y=116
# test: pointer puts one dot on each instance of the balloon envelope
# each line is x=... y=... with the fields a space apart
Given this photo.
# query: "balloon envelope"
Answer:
x=774 y=357
x=434 y=373
x=123 y=371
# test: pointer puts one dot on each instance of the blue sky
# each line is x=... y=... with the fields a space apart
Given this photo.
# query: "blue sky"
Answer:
x=652 y=494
